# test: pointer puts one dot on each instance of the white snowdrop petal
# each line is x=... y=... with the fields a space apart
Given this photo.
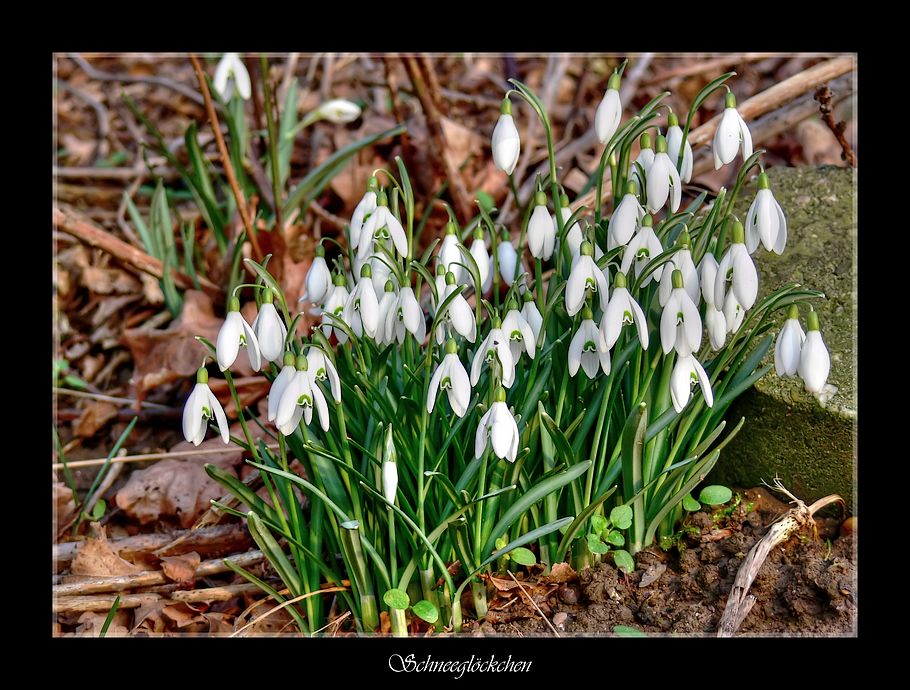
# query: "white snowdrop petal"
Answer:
x=227 y=344
x=704 y=382
x=275 y=392
x=192 y=412
x=480 y=437
x=668 y=324
x=815 y=362
x=745 y=277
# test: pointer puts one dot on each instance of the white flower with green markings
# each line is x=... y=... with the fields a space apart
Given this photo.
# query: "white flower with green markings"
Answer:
x=230 y=75
x=450 y=376
x=236 y=333
x=588 y=349
x=497 y=428
x=201 y=407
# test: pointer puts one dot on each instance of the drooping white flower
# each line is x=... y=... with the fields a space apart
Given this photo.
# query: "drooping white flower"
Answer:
x=731 y=135
x=814 y=360
x=405 y=316
x=362 y=211
x=299 y=398
x=234 y=334
x=458 y=316
x=361 y=308
x=541 y=229
x=622 y=311
x=626 y=217
x=287 y=373
x=385 y=333
x=643 y=247
x=202 y=406
x=269 y=329
x=507 y=258
x=382 y=225
x=707 y=271
x=318 y=278
x=499 y=427
x=519 y=331
x=532 y=315
x=482 y=259
x=609 y=112
x=663 y=179
x=230 y=73
x=389 y=467
x=585 y=276
x=733 y=312
x=494 y=346
x=682 y=260
x=321 y=368
x=716 y=324
x=674 y=140
x=450 y=253
x=686 y=372
x=451 y=377
x=680 y=322
x=765 y=221
x=380 y=272
x=338 y=111
x=333 y=309
x=645 y=158
x=506 y=144
x=588 y=348
x=736 y=269
x=789 y=345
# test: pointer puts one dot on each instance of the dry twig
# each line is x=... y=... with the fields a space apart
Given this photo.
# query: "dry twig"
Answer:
x=534 y=604
x=824 y=95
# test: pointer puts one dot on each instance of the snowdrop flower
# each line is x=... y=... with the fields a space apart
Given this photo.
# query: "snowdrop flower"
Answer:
x=507 y=258
x=789 y=345
x=318 y=278
x=499 y=427
x=362 y=211
x=532 y=315
x=299 y=398
x=588 y=348
x=626 y=217
x=645 y=158
x=361 y=308
x=521 y=335
x=609 y=112
x=269 y=329
x=458 y=315
x=574 y=236
x=450 y=253
x=715 y=320
x=585 y=276
x=321 y=368
x=707 y=271
x=201 y=406
x=231 y=73
x=382 y=225
x=643 y=247
x=663 y=179
x=440 y=284
x=234 y=334
x=765 y=221
x=482 y=259
x=495 y=345
x=622 y=311
x=381 y=272
x=506 y=144
x=404 y=316
x=731 y=135
x=451 y=377
x=386 y=307
x=338 y=111
x=814 y=361
x=389 y=467
x=733 y=312
x=333 y=309
x=716 y=324
x=683 y=261
x=687 y=371
x=680 y=323
x=674 y=139
x=288 y=371
x=541 y=229
x=736 y=268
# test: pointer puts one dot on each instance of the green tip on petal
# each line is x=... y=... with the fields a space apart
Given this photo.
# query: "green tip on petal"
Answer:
x=478 y=233
x=289 y=359
x=645 y=140
x=505 y=107
x=587 y=314
x=499 y=395
x=450 y=278
x=540 y=199
x=564 y=200
x=389 y=286
x=366 y=271
x=505 y=236
x=684 y=240
x=301 y=363
x=373 y=184
x=620 y=280
x=512 y=304
x=233 y=304
x=451 y=347
x=812 y=321
x=677 y=278
x=497 y=322
x=382 y=199
x=268 y=295
x=763 y=181
x=614 y=81
x=661 y=145
x=451 y=229
x=729 y=100
x=739 y=233
x=586 y=249
x=339 y=279
x=647 y=220
x=672 y=120
x=632 y=188
x=202 y=375
x=793 y=312
x=320 y=250
x=528 y=297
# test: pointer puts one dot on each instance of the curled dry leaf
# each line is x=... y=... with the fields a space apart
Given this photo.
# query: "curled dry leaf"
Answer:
x=64 y=505
x=181 y=569
x=96 y=558
x=91 y=623
x=95 y=415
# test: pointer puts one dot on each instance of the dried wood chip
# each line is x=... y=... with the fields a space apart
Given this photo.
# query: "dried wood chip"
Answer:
x=95 y=415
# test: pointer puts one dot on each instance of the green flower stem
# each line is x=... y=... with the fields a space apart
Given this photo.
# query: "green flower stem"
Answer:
x=538 y=284
x=246 y=432
x=518 y=204
x=478 y=517
x=399 y=622
x=428 y=585
x=393 y=552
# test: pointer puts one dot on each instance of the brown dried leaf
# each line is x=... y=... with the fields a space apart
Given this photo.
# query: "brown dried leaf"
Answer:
x=184 y=617
x=95 y=415
x=181 y=569
x=95 y=558
x=79 y=151
x=461 y=142
x=64 y=505
x=559 y=573
x=106 y=281
x=92 y=622
x=151 y=289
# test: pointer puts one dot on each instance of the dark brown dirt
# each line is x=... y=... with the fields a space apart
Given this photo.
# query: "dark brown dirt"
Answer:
x=806 y=586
